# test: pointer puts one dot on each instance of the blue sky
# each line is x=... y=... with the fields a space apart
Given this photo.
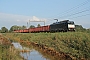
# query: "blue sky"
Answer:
x=19 y=12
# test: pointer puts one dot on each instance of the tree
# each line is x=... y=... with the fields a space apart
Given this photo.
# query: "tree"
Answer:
x=79 y=28
x=32 y=26
x=0 y=31
x=15 y=27
x=88 y=30
x=38 y=25
x=4 y=30
x=24 y=27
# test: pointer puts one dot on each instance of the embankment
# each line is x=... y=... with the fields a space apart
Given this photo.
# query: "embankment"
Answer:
x=7 y=50
x=74 y=45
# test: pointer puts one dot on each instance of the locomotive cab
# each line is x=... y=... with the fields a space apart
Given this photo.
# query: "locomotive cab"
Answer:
x=71 y=26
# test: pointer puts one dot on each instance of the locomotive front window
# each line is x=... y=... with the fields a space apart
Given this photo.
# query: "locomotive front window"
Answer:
x=70 y=22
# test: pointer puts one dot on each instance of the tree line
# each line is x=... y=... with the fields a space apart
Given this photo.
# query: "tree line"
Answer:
x=15 y=27
x=78 y=28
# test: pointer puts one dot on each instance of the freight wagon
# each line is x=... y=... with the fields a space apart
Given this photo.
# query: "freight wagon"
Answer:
x=40 y=29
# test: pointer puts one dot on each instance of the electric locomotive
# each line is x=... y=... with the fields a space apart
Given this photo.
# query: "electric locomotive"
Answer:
x=64 y=26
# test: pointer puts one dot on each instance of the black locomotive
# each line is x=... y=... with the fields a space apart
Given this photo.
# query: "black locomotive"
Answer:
x=64 y=26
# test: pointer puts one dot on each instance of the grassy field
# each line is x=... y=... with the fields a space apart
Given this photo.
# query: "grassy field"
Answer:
x=7 y=51
x=76 y=44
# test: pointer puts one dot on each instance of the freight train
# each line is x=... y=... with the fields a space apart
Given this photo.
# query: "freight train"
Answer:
x=62 y=26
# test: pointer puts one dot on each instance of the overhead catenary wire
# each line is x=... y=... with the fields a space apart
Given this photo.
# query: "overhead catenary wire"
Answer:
x=72 y=9
x=79 y=16
x=86 y=10
x=66 y=14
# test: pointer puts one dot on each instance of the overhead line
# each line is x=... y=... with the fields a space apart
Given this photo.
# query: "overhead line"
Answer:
x=79 y=16
x=76 y=13
x=73 y=8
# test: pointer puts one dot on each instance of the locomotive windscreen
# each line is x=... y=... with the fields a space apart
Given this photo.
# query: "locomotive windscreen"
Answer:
x=70 y=22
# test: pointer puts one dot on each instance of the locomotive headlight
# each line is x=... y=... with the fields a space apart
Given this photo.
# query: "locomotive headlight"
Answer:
x=69 y=29
x=71 y=26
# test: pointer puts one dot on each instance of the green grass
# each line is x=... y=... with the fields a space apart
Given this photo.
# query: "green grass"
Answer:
x=7 y=51
x=76 y=44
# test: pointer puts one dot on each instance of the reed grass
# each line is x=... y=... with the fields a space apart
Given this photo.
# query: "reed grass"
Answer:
x=76 y=44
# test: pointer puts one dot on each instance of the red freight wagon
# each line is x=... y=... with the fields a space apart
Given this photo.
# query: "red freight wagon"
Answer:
x=35 y=29
x=40 y=29
x=46 y=28
x=21 y=31
x=31 y=29
x=26 y=30
x=18 y=31
x=15 y=31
